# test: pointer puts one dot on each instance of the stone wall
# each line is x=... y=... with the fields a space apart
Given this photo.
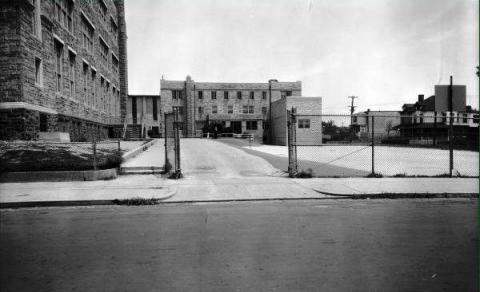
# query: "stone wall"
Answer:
x=82 y=96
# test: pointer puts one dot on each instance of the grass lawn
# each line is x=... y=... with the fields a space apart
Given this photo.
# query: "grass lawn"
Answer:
x=40 y=156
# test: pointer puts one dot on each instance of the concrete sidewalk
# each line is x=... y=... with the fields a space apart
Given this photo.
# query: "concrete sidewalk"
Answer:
x=207 y=189
x=82 y=192
x=373 y=186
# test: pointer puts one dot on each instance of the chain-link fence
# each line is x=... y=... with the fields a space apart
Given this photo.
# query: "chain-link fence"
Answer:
x=52 y=156
x=383 y=144
x=172 y=144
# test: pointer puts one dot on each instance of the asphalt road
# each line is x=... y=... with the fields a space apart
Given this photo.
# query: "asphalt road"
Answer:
x=330 y=245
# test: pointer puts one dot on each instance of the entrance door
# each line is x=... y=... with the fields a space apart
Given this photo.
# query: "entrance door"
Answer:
x=236 y=127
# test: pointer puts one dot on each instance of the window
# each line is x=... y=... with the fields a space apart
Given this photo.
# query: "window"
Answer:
x=304 y=124
x=200 y=95
x=250 y=109
x=102 y=90
x=36 y=22
x=38 y=72
x=58 y=66
x=85 y=82
x=230 y=109
x=465 y=120
x=252 y=125
x=63 y=13
x=72 y=75
x=239 y=94
x=113 y=28
x=285 y=93
x=154 y=110
x=104 y=51
x=475 y=119
x=114 y=64
x=264 y=95
x=214 y=95
x=200 y=110
x=177 y=94
x=87 y=35
x=245 y=109
x=214 y=109
x=103 y=10
x=225 y=95
x=179 y=109
x=43 y=122
x=264 y=110
x=252 y=95
x=94 y=75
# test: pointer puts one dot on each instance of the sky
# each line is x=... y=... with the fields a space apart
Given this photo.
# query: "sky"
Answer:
x=386 y=52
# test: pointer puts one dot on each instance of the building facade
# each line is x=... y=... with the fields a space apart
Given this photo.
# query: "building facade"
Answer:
x=427 y=121
x=143 y=116
x=383 y=125
x=63 y=68
x=308 y=123
x=228 y=107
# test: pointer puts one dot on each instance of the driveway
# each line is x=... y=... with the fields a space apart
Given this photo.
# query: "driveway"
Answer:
x=212 y=159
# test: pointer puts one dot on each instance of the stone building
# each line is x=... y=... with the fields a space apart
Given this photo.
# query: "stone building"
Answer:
x=308 y=120
x=63 y=68
x=231 y=107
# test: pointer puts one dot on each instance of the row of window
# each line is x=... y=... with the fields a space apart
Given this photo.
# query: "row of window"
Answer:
x=247 y=109
x=63 y=13
x=108 y=95
x=178 y=94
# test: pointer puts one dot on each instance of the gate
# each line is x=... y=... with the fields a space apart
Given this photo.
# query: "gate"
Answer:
x=172 y=145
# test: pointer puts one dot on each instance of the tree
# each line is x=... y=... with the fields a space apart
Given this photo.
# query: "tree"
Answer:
x=388 y=127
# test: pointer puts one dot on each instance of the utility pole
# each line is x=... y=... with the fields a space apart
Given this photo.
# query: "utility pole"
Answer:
x=352 y=107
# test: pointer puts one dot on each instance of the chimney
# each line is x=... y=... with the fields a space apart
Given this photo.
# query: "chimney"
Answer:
x=421 y=97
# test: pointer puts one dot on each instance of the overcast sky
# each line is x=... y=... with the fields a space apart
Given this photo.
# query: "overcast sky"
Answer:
x=386 y=52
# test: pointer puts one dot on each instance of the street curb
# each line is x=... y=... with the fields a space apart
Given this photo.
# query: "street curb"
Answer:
x=56 y=176
x=73 y=203
x=134 y=152
x=387 y=195
x=254 y=200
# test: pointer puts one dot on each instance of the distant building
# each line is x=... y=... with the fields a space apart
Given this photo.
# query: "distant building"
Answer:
x=143 y=116
x=384 y=123
x=63 y=68
x=427 y=120
x=231 y=107
x=308 y=127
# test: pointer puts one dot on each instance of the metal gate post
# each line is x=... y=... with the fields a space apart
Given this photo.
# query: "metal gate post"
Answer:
x=178 y=172
x=373 y=146
x=291 y=142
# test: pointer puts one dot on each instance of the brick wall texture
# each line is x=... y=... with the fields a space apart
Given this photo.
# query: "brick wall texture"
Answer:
x=90 y=95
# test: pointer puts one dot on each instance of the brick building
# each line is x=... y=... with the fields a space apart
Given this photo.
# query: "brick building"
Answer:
x=232 y=107
x=63 y=68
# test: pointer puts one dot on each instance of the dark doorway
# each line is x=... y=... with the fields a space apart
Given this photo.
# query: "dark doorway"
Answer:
x=236 y=127
x=43 y=122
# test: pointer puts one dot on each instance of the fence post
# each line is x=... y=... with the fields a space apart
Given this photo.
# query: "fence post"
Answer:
x=292 y=153
x=94 y=155
x=373 y=146
x=450 y=127
x=119 y=145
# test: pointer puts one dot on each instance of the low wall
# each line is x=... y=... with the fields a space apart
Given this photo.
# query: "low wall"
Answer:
x=76 y=175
